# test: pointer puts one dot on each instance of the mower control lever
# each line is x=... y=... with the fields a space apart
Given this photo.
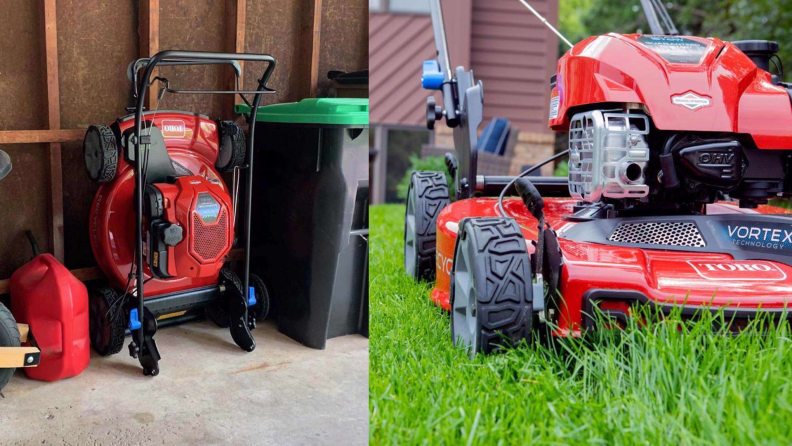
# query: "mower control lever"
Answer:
x=535 y=204
x=434 y=112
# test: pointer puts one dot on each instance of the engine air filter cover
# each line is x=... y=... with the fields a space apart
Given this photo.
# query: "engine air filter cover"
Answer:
x=608 y=154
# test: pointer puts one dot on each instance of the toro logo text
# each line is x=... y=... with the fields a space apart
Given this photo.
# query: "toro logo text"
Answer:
x=173 y=128
x=749 y=270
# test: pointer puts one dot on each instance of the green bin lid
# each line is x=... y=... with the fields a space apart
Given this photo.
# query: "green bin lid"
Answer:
x=339 y=111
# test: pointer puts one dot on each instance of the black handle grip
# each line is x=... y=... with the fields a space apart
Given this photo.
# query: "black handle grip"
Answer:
x=33 y=245
x=530 y=196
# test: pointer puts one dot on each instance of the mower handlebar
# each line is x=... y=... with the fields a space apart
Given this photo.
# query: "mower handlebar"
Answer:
x=184 y=58
x=134 y=67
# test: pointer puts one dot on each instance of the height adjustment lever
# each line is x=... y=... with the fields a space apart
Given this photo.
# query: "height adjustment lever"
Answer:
x=434 y=112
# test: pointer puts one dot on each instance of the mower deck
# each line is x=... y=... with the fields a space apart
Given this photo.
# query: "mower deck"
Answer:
x=616 y=276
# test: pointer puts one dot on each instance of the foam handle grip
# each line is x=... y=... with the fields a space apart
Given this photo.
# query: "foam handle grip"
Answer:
x=530 y=196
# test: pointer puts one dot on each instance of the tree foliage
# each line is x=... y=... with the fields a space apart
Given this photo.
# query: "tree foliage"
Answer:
x=725 y=19
x=430 y=164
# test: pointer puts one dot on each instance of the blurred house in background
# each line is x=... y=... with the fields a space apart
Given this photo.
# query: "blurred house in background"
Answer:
x=507 y=48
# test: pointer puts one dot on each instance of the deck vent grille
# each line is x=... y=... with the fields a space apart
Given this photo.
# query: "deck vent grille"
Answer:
x=662 y=234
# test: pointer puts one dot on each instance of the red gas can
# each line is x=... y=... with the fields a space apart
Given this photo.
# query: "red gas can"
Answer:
x=47 y=296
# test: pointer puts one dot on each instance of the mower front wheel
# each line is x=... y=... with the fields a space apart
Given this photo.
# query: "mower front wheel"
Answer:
x=9 y=337
x=426 y=197
x=491 y=286
x=100 y=150
x=107 y=322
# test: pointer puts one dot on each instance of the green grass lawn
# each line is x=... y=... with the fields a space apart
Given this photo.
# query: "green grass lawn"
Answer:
x=660 y=384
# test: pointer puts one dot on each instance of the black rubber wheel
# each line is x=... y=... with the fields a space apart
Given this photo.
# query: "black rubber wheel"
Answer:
x=216 y=310
x=107 y=329
x=9 y=337
x=100 y=149
x=491 y=286
x=217 y=314
x=261 y=309
x=426 y=197
x=232 y=146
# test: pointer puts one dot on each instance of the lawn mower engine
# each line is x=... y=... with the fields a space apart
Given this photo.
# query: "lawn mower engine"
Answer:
x=650 y=131
x=188 y=224
x=194 y=210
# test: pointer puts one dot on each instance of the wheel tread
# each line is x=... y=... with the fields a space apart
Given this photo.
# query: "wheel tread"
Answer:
x=431 y=192
x=504 y=277
x=117 y=328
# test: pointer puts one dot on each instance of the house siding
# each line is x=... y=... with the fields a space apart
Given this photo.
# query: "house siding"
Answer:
x=507 y=48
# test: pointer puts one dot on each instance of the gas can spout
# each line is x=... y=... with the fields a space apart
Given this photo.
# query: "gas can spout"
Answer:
x=33 y=245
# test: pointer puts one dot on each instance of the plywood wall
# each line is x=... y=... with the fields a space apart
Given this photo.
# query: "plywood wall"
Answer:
x=344 y=45
x=93 y=90
x=23 y=194
x=96 y=40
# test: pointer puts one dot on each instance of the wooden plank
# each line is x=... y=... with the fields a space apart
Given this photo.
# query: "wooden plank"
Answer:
x=53 y=114
x=24 y=331
x=40 y=136
x=316 y=46
x=82 y=274
x=237 y=16
x=14 y=357
x=149 y=32
x=309 y=41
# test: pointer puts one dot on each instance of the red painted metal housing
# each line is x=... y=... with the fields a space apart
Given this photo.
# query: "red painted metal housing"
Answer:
x=617 y=68
x=192 y=141
x=665 y=277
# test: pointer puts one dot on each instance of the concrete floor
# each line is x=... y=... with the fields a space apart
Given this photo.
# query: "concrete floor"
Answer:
x=207 y=392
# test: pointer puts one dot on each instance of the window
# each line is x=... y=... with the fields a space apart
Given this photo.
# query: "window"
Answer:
x=411 y=6
x=400 y=6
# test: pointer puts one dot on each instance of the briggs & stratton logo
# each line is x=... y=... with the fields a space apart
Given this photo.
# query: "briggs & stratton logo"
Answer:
x=172 y=128
x=753 y=270
x=691 y=101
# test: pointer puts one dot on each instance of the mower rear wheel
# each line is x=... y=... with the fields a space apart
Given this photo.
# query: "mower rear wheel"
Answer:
x=261 y=309
x=9 y=337
x=426 y=197
x=216 y=311
x=107 y=328
x=232 y=146
x=491 y=286
x=101 y=153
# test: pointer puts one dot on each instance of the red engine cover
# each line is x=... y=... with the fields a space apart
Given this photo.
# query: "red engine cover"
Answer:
x=193 y=141
x=46 y=296
x=708 y=86
x=203 y=209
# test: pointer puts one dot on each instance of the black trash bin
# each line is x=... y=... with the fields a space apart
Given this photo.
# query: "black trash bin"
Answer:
x=309 y=234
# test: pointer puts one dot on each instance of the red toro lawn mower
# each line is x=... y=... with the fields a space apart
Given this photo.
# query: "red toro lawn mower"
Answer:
x=676 y=144
x=163 y=221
